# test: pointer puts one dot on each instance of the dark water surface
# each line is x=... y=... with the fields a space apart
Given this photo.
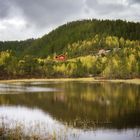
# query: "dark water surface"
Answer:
x=80 y=110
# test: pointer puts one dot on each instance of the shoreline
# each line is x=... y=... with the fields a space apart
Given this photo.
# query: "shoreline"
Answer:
x=128 y=81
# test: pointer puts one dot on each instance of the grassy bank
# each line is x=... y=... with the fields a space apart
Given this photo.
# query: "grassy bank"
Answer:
x=130 y=81
x=17 y=133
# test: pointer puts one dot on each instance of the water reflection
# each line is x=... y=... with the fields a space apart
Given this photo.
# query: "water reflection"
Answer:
x=18 y=88
x=86 y=106
x=42 y=124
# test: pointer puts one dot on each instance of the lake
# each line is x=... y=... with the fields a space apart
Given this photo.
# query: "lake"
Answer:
x=72 y=109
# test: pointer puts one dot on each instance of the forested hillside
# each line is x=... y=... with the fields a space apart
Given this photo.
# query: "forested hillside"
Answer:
x=16 y=46
x=103 y=48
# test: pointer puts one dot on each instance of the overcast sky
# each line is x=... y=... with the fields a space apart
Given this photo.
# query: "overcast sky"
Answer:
x=22 y=19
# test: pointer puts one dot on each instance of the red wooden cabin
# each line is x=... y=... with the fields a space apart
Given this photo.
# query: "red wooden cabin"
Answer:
x=61 y=57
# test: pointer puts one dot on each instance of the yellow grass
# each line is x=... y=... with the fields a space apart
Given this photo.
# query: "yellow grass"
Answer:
x=130 y=81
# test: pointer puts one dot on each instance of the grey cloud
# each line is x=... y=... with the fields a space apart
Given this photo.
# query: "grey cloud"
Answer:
x=4 y=8
x=104 y=8
x=43 y=12
x=133 y=1
x=41 y=16
x=49 y=12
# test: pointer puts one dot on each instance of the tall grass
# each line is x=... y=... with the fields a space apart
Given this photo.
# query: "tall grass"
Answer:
x=17 y=131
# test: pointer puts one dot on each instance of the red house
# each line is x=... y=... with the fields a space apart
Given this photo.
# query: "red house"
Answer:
x=61 y=57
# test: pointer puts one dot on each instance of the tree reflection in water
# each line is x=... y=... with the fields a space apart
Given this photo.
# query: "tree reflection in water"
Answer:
x=84 y=105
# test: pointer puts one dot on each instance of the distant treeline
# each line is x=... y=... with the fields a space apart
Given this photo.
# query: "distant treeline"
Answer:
x=109 y=49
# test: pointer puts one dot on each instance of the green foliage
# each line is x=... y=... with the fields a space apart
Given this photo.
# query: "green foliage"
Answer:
x=18 y=47
x=57 y=40
x=4 y=57
x=110 y=49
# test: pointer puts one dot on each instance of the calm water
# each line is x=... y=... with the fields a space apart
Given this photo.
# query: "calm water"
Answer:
x=76 y=110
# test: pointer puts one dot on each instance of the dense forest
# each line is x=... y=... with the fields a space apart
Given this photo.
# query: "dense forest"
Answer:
x=98 y=48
